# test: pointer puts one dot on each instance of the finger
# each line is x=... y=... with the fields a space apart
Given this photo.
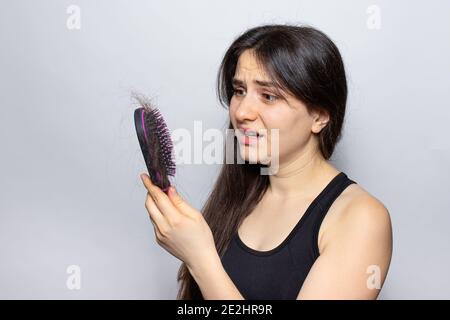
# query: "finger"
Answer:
x=147 y=181
x=158 y=234
x=156 y=216
x=180 y=203
x=162 y=201
x=155 y=228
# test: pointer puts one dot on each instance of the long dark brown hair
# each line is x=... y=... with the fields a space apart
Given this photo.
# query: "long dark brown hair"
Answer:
x=302 y=61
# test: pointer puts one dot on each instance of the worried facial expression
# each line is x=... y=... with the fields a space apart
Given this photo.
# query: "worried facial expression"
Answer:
x=262 y=117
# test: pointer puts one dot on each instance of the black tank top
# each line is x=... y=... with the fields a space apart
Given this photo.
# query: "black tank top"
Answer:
x=279 y=273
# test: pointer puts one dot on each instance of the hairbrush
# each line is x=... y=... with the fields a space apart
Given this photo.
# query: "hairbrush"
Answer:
x=156 y=143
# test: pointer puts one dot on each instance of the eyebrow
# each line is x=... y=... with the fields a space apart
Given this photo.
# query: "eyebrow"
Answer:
x=268 y=84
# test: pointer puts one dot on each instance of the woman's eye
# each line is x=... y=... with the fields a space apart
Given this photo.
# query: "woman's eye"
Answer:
x=269 y=97
x=238 y=92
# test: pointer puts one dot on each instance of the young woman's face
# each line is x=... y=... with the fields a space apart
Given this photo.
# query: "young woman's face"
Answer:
x=256 y=106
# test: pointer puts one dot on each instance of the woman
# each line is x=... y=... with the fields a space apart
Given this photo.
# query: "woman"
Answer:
x=306 y=231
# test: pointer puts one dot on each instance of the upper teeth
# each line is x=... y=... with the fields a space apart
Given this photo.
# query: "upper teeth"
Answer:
x=250 y=133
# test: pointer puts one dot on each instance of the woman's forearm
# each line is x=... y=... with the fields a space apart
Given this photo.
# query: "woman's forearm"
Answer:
x=214 y=282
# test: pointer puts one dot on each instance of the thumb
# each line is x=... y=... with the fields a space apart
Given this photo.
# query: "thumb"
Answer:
x=179 y=202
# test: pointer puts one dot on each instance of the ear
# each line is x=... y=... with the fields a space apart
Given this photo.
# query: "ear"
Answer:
x=320 y=120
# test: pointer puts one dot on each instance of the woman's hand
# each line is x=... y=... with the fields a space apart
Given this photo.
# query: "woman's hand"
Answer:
x=179 y=228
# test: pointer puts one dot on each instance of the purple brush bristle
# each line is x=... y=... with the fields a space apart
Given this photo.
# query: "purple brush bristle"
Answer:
x=158 y=151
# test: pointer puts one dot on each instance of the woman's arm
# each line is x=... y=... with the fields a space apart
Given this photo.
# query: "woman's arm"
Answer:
x=182 y=230
x=356 y=254
x=214 y=282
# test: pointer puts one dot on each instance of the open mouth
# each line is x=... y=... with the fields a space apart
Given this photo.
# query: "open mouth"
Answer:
x=250 y=133
x=249 y=137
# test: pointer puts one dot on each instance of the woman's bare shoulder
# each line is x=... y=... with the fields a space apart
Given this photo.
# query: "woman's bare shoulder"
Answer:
x=357 y=242
x=360 y=200
x=356 y=211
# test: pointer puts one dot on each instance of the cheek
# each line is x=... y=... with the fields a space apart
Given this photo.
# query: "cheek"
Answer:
x=277 y=119
x=294 y=131
x=231 y=111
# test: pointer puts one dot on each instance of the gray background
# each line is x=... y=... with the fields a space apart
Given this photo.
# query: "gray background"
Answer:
x=70 y=193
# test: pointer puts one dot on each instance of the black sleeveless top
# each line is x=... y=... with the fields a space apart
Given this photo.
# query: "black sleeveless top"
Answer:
x=279 y=273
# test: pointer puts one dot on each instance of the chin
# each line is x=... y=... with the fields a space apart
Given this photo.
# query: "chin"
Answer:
x=250 y=154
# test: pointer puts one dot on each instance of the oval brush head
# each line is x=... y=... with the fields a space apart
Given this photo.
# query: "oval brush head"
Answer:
x=156 y=143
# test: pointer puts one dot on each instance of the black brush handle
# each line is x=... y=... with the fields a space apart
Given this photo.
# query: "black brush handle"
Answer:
x=141 y=134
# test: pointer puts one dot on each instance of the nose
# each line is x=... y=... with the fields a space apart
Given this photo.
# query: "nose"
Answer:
x=245 y=110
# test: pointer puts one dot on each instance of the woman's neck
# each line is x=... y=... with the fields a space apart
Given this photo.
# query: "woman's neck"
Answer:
x=303 y=176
